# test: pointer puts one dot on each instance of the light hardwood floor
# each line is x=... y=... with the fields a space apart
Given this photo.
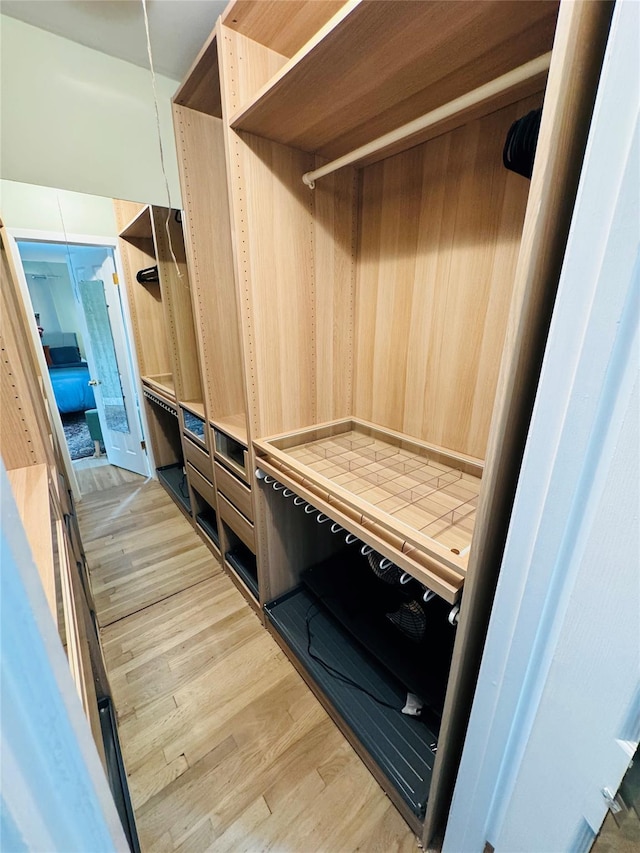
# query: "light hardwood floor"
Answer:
x=226 y=748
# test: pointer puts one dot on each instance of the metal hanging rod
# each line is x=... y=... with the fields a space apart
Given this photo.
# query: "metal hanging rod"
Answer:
x=494 y=87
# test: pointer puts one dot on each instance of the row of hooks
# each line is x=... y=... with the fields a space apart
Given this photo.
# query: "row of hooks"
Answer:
x=350 y=538
x=159 y=402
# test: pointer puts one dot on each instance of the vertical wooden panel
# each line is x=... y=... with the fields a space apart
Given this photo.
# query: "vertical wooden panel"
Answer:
x=208 y=243
x=25 y=435
x=440 y=235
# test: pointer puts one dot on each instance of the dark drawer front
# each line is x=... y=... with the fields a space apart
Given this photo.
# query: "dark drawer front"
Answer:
x=236 y=491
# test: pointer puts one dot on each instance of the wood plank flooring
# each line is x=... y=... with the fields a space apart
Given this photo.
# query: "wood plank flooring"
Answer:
x=226 y=748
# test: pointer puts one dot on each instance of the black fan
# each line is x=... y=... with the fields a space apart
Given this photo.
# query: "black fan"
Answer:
x=388 y=573
x=409 y=617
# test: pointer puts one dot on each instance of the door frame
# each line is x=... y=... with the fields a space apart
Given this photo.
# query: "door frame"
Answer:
x=16 y=234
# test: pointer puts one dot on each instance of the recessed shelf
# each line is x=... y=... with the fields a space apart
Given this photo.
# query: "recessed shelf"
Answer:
x=195 y=406
x=332 y=97
x=163 y=384
x=208 y=522
x=140 y=226
x=243 y=563
x=233 y=425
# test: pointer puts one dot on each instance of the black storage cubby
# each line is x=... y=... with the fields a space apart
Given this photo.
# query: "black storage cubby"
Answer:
x=403 y=747
x=175 y=479
x=207 y=519
x=241 y=560
x=349 y=589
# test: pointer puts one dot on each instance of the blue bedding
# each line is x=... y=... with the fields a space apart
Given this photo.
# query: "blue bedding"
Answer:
x=71 y=388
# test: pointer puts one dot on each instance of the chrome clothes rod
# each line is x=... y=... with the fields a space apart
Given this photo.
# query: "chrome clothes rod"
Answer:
x=494 y=87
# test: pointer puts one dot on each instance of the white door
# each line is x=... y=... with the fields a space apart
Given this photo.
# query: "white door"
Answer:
x=107 y=357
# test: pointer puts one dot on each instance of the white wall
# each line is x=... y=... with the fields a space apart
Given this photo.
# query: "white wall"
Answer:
x=56 y=211
x=80 y=120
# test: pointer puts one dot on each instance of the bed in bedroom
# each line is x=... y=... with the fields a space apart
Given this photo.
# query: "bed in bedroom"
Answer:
x=69 y=373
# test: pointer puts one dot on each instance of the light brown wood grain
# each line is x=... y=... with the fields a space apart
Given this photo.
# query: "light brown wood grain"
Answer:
x=366 y=74
x=212 y=715
x=284 y=25
x=208 y=245
x=200 y=460
x=201 y=484
x=139 y=225
x=440 y=236
x=201 y=87
x=25 y=437
x=240 y=525
x=145 y=307
x=176 y=300
x=235 y=490
x=295 y=304
x=30 y=487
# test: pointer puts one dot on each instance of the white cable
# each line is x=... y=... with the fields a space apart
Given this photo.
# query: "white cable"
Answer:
x=155 y=103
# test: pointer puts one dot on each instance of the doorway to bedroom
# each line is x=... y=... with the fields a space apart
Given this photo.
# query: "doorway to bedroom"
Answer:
x=77 y=308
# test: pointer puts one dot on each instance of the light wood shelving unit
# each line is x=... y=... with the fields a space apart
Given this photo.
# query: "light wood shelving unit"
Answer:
x=370 y=347
x=38 y=480
x=165 y=338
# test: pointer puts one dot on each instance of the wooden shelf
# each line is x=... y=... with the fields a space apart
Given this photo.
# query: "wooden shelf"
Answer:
x=233 y=425
x=196 y=407
x=201 y=88
x=140 y=226
x=363 y=74
x=284 y=27
x=30 y=487
x=418 y=496
x=163 y=384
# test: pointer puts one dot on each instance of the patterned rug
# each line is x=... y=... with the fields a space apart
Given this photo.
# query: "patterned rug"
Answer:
x=77 y=434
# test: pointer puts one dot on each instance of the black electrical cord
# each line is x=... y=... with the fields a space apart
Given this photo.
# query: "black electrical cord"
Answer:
x=332 y=671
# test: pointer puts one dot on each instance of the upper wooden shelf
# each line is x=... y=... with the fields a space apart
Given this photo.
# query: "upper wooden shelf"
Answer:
x=200 y=90
x=283 y=26
x=140 y=226
x=375 y=66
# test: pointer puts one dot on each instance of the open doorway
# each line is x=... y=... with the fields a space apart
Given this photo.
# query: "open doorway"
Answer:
x=76 y=304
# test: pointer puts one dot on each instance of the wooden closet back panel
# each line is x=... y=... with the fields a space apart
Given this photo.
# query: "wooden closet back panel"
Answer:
x=176 y=297
x=440 y=231
x=294 y=254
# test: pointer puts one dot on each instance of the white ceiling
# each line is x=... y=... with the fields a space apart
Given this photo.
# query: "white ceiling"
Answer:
x=178 y=28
